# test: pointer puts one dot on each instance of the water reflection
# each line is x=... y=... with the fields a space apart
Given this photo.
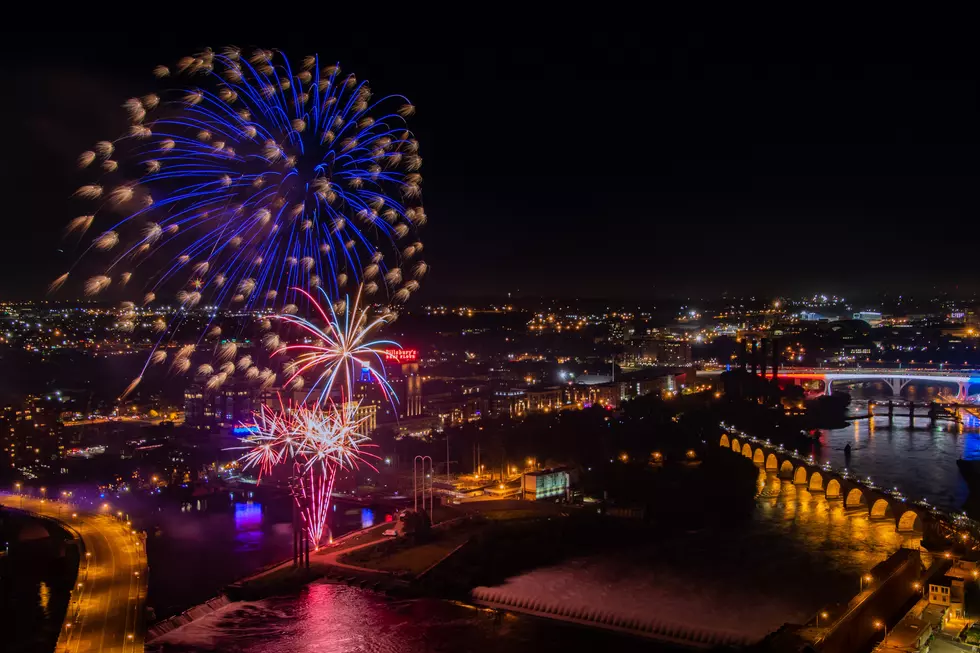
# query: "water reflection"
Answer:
x=920 y=461
x=193 y=552
x=338 y=619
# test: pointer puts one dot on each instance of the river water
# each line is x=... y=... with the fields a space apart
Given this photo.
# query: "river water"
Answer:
x=797 y=554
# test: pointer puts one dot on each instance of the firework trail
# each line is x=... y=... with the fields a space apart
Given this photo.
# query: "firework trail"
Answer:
x=318 y=444
x=246 y=178
x=342 y=347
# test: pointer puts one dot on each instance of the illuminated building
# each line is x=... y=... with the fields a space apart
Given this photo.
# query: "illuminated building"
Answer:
x=402 y=374
x=546 y=484
x=871 y=317
x=419 y=427
x=369 y=414
x=458 y=410
x=665 y=350
x=910 y=635
x=543 y=399
x=225 y=407
x=509 y=402
x=607 y=394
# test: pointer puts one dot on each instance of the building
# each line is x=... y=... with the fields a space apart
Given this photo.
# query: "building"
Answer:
x=420 y=426
x=546 y=484
x=661 y=349
x=609 y=395
x=910 y=635
x=227 y=406
x=871 y=317
x=367 y=416
x=543 y=400
x=945 y=587
x=458 y=410
x=402 y=366
x=509 y=402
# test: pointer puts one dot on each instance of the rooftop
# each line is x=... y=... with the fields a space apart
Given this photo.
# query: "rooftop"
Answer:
x=907 y=634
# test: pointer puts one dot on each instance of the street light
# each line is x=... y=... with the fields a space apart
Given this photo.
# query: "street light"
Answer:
x=880 y=625
x=867 y=578
x=821 y=615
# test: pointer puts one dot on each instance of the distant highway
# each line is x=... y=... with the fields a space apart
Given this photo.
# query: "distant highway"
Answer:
x=106 y=609
x=148 y=421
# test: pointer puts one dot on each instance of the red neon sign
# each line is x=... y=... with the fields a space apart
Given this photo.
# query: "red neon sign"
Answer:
x=402 y=355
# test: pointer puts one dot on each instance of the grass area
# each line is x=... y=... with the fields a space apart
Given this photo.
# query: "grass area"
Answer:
x=368 y=535
x=413 y=560
x=505 y=515
x=972 y=635
x=405 y=557
x=282 y=579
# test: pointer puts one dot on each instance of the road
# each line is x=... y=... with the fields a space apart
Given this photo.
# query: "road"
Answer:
x=105 y=614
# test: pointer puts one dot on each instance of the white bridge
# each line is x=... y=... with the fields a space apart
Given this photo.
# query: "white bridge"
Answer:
x=894 y=378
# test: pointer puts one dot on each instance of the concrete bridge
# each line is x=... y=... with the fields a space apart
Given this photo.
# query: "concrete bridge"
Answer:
x=857 y=497
x=895 y=379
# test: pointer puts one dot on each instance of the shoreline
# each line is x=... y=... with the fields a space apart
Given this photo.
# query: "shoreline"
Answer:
x=73 y=536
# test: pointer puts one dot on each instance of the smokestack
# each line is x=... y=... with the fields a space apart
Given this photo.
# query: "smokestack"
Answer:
x=775 y=359
x=762 y=357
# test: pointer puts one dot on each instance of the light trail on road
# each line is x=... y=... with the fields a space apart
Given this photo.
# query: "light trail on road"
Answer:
x=106 y=606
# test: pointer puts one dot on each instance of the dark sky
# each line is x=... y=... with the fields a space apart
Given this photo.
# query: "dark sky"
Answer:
x=584 y=164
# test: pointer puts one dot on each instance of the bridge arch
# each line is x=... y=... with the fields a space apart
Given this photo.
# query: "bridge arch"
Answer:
x=759 y=457
x=772 y=463
x=833 y=489
x=909 y=521
x=855 y=499
x=786 y=470
x=724 y=440
x=800 y=476
x=881 y=509
x=747 y=451
x=736 y=447
x=816 y=482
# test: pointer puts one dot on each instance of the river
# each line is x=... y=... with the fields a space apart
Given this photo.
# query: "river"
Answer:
x=797 y=554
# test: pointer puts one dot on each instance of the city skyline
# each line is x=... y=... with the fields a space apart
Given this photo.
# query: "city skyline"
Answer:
x=729 y=154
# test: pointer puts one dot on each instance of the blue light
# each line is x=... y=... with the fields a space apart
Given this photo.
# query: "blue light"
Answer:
x=367 y=518
x=248 y=516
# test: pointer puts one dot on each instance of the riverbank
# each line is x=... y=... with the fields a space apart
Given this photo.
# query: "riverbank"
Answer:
x=485 y=544
x=38 y=569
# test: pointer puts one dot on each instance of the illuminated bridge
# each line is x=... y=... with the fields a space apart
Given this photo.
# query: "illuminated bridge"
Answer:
x=896 y=379
x=857 y=497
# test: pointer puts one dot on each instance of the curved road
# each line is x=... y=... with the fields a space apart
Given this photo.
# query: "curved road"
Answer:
x=105 y=614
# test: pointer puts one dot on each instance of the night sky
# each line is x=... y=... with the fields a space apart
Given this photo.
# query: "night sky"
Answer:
x=591 y=165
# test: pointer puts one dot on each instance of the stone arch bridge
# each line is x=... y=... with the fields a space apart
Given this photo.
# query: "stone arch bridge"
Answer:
x=856 y=497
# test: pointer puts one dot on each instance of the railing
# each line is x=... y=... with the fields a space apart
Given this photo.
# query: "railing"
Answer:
x=955 y=521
